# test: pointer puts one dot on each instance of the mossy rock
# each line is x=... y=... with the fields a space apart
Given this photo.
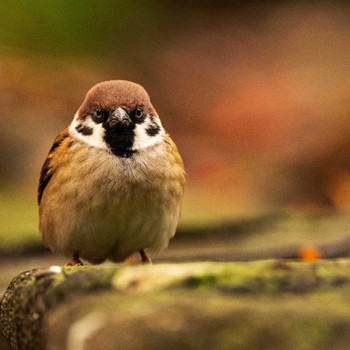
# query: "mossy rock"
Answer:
x=270 y=304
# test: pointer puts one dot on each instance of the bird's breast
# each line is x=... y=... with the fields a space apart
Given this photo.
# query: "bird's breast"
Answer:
x=152 y=172
x=98 y=199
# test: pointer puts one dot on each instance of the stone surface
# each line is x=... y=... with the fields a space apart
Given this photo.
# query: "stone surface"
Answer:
x=252 y=305
x=277 y=235
x=272 y=304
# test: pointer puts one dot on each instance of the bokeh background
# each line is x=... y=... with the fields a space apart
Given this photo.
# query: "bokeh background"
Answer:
x=255 y=94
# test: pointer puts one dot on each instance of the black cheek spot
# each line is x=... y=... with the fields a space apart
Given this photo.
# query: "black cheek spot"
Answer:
x=83 y=129
x=153 y=129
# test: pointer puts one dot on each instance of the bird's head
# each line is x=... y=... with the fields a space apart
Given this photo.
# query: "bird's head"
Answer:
x=117 y=115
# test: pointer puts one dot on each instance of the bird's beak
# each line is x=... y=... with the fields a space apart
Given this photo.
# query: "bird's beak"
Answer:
x=119 y=118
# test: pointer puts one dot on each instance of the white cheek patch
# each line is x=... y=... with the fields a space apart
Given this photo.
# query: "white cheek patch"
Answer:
x=95 y=139
x=142 y=139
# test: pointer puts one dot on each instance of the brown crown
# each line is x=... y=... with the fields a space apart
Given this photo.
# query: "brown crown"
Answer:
x=116 y=93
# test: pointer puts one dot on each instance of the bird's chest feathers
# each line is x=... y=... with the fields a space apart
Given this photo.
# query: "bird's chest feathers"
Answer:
x=108 y=175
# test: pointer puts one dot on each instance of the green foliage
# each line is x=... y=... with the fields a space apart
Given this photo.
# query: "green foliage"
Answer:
x=19 y=219
x=74 y=27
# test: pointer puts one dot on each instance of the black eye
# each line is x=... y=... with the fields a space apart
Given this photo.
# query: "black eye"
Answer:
x=139 y=114
x=98 y=116
x=99 y=112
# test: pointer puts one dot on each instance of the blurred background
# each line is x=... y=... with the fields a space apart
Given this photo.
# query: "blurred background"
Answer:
x=255 y=94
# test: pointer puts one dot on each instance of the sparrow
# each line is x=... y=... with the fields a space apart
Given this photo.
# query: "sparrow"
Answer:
x=113 y=181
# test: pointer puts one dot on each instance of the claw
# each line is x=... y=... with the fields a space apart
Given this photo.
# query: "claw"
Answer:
x=75 y=261
x=144 y=257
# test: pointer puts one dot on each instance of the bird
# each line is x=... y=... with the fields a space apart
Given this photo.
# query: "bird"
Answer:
x=113 y=181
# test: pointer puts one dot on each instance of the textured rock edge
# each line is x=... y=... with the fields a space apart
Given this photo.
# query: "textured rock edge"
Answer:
x=32 y=295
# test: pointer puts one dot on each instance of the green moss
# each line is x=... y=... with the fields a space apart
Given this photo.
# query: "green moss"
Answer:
x=251 y=277
x=261 y=304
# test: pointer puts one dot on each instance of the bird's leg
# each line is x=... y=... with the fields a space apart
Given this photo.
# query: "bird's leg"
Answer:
x=75 y=261
x=144 y=257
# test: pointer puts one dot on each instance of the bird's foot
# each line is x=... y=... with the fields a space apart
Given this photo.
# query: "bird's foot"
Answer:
x=131 y=260
x=75 y=261
x=145 y=259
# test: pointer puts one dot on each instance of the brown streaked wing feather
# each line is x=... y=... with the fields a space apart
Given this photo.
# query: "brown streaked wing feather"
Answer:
x=47 y=170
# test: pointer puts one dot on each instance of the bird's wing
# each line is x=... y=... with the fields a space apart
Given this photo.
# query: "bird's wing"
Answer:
x=48 y=169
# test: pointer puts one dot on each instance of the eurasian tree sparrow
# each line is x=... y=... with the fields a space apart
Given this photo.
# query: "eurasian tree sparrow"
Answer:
x=112 y=183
